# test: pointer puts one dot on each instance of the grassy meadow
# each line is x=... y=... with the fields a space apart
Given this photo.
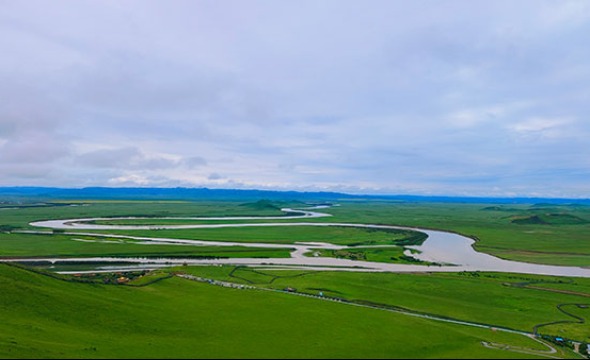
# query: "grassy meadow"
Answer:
x=60 y=245
x=44 y=317
x=537 y=233
x=563 y=239
x=47 y=316
x=488 y=298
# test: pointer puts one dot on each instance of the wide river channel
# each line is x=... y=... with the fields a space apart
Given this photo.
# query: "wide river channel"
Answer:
x=455 y=252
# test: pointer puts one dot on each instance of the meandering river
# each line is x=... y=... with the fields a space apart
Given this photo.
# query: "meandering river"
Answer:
x=453 y=250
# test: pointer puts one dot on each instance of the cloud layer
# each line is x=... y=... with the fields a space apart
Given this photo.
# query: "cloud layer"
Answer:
x=453 y=98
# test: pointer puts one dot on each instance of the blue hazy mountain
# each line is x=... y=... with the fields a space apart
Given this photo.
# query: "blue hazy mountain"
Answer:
x=181 y=193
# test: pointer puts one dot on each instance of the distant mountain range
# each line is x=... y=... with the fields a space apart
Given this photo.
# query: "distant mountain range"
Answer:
x=180 y=193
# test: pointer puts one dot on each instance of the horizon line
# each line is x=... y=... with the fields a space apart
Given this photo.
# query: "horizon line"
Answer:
x=372 y=195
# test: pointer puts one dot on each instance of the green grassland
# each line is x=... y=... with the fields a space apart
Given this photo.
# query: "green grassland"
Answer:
x=555 y=234
x=562 y=239
x=48 y=317
x=22 y=245
x=45 y=317
x=486 y=298
x=379 y=254
x=20 y=216
x=339 y=235
x=57 y=245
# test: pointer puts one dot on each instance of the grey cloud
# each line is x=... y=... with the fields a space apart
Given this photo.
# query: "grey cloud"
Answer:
x=109 y=158
x=123 y=158
x=215 y=176
x=37 y=148
x=194 y=161
x=130 y=83
x=11 y=173
x=460 y=97
x=31 y=125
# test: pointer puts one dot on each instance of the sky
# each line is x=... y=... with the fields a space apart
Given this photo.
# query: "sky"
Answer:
x=466 y=98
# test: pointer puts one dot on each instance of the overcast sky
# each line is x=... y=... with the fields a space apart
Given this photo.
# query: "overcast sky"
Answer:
x=481 y=98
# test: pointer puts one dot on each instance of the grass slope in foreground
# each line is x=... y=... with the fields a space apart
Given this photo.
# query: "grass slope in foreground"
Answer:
x=516 y=301
x=44 y=317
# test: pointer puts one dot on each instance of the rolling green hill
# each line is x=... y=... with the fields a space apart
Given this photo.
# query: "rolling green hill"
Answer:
x=44 y=317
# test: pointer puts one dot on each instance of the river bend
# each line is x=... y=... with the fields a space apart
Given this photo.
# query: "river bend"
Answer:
x=453 y=250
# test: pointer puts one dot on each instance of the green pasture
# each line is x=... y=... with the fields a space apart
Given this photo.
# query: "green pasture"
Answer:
x=339 y=235
x=390 y=254
x=21 y=216
x=556 y=234
x=563 y=239
x=59 y=245
x=45 y=317
x=541 y=233
x=486 y=298
x=547 y=234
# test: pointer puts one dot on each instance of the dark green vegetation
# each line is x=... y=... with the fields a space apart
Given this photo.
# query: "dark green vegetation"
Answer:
x=262 y=205
x=45 y=317
x=380 y=254
x=549 y=219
